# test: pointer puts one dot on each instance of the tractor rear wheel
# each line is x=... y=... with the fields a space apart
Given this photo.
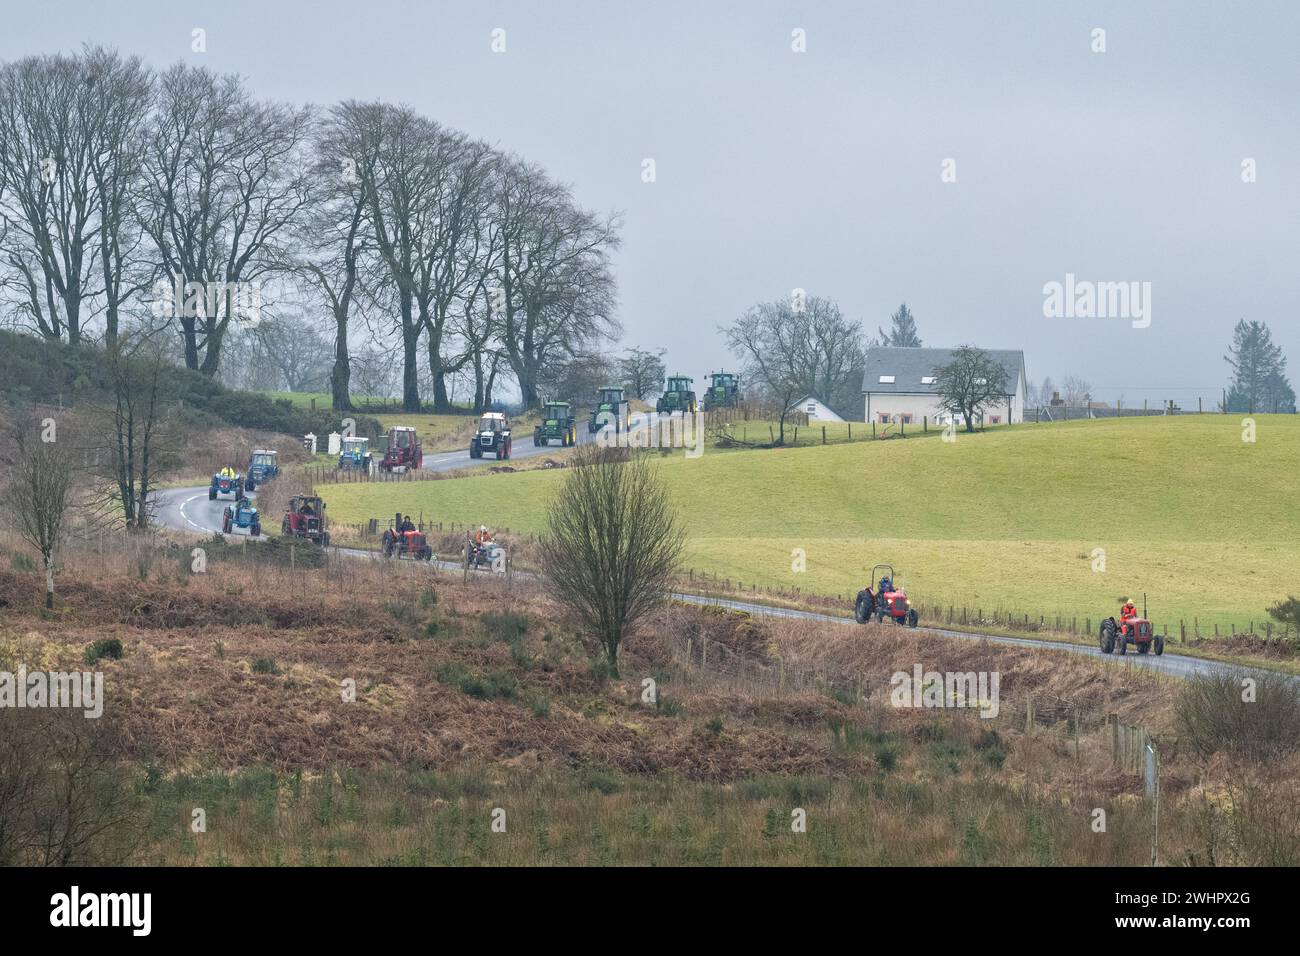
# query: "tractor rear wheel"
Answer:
x=862 y=610
x=212 y=494
x=1107 y=639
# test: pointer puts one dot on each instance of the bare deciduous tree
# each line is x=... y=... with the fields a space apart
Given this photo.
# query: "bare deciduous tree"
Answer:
x=225 y=180
x=968 y=384
x=138 y=446
x=613 y=543
x=641 y=372
x=794 y=349
x=51 y=223
x=38 y=496
x=64 y=800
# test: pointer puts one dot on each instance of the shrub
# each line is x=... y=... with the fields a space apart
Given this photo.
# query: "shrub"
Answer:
x=109 y=647
x=1221 y=712
x=264 y=665
x=887 y=757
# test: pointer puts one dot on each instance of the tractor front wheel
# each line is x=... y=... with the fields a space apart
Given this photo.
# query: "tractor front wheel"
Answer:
x=250 y=485
x=1159 y=643
x=325 y=540
x=256 y=529
x=912 y=618
x=225 y=524
x=1123 y=643
x=212 y=494
x=284 y=527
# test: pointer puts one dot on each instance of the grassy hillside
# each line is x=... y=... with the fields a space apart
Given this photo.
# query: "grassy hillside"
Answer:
x=1185 y=510
x=361 y=713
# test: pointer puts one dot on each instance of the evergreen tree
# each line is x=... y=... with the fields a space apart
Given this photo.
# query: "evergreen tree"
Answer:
x=1259 y=382
x=902 y=332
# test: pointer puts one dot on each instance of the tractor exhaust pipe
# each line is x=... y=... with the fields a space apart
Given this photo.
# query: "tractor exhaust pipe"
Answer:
x=1144 y=606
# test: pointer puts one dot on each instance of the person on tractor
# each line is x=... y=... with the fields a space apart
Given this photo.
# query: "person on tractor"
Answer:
x=886 y=586
x=227 y=472
x=406 y=525
x=482 y=536
x=307 y=509
x=1127 y=613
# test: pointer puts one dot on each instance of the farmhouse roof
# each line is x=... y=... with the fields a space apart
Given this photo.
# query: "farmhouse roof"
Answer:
x=911 y=371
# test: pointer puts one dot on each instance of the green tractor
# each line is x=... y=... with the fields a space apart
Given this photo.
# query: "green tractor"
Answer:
x=611 y=409
x=558 y=424
x=678 y=396
x=723 y=391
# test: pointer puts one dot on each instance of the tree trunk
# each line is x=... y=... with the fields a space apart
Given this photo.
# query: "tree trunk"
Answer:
x=341 y=374
x=49 y=584
x=410 y=341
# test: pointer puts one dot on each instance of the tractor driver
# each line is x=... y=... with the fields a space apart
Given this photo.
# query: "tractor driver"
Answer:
x=482 y=536
x=227 y=472
x=886 y=586
x=1127 y=613
x=307 y=508
x=406 y=525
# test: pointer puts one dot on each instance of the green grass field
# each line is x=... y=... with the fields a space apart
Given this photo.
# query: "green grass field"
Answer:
x=1184 y=509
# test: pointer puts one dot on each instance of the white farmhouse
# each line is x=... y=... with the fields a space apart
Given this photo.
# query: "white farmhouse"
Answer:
x=898 y=386
x=816 y=409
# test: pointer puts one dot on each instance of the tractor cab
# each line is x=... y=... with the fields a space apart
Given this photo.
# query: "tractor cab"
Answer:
x=355 y=454
x=557 y=425
x=403 y=450
x=611 y=408
x=263 y=465
x=678 y=395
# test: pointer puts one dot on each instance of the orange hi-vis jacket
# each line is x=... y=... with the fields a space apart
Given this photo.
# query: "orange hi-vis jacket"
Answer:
x=1128 y=612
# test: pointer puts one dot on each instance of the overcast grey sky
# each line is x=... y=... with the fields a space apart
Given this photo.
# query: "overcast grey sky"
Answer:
x=821 y=170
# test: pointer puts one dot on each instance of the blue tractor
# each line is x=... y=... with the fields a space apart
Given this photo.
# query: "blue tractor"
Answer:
x=262 y=467
x=227 y=482
x=241 y=515
x=355 y=454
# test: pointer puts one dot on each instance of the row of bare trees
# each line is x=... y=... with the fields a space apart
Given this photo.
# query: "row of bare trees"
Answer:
x=128 y=194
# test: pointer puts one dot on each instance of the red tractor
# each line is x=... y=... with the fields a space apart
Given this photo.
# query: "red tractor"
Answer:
x=884 y=599
x=305 y=518
x=403 y=450
x=406 y=541
x=1138 y=631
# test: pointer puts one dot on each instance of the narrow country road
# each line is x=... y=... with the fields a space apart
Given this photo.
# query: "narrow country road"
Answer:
x=189 y=510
